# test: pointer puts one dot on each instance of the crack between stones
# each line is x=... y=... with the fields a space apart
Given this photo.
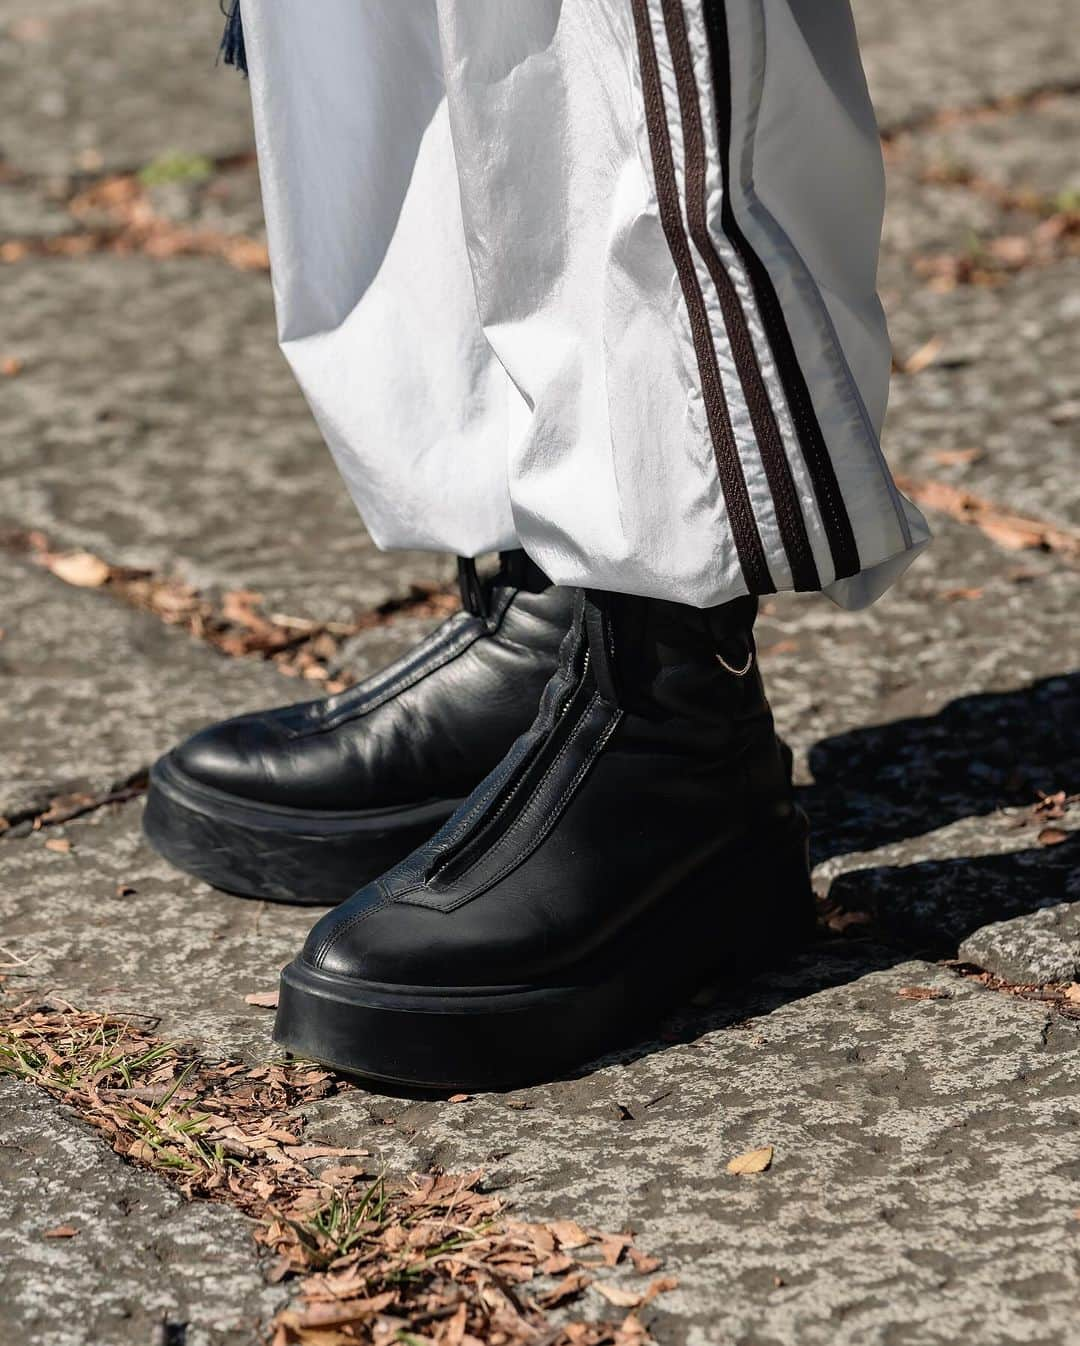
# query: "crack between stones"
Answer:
x=1060 y=998
x=989 y=109
x=235 y=624
x=64 y=807
x=134 y=228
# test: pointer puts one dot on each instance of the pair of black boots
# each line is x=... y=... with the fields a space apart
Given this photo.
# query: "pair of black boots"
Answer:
x=568 y=873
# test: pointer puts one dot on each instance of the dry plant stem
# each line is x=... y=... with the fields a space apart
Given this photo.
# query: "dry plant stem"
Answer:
x=430 y=1259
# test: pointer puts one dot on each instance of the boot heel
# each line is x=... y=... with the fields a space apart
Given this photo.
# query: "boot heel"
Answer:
x=779 y=911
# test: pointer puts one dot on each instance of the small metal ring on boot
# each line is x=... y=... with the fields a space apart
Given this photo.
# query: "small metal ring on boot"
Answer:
x=736 y=672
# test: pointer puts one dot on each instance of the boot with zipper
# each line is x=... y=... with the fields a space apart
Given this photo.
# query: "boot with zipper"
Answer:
x=307 y=802
x=641 y=835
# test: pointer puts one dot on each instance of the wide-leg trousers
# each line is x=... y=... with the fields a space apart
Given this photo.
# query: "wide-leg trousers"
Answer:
x=595 y=278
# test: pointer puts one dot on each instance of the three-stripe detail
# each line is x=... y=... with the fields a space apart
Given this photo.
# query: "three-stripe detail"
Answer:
x=788 y=511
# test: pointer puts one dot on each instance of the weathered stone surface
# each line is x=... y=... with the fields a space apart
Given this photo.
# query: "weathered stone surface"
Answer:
x=29 y=213
x=142 y=1258
x=156 y=423
x=923 y=56
x=1031 y=151
x=97 y=85
x=93 y=691
x=111 y=926
x=1043 y=946
x=1006 y=382
x=227 y=200
x=929 y=220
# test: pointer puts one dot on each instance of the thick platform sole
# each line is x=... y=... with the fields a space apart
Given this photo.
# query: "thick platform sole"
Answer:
x=754 y=902
x=280 y=854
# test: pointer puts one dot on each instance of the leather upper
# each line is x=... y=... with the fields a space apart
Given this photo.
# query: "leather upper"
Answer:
x=428 y=727
x=617 y=795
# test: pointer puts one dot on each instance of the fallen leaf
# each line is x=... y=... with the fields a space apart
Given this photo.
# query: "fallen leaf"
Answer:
x=1013 y=531
x=568 y=1288
x=954 y=595
x=662 y=1285
x=644 y=1262
x=10 y=366
x=1072 y=993
x=81 y=568
x=61 y=1231
x=568 y=1233
x=615 y=1294
x=753 y=1161
x=325 y=1152
x=922 y=357
x=262 y=999
x=59 y=844
x=956 y=457
x=459 y=1098
x=922 y=993
x=1051 y=836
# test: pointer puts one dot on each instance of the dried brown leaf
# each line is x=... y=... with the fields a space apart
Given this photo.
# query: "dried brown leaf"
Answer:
x=922 y=993
x=262 y=999
x=60 y=1231
x=81 y=568
x=59 y=844
x=753 y=1161
x=615 y=1294
x=956 y=457
x=1051 y=836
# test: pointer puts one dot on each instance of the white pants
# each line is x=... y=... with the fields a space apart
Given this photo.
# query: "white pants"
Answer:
x=595 y=278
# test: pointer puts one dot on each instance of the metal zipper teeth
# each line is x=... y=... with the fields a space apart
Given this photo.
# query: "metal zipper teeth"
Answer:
x=491 y=821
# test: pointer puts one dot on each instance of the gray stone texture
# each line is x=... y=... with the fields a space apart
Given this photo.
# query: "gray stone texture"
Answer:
x=93 y=690
x=1033 y=151
x=1006 y=382
x=144 y=1269
x=922 y=57
x=84 y=83
x=156 y=423
x=111 y=926
x=1041 y=947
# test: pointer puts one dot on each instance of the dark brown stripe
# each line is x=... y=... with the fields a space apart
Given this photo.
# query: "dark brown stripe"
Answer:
x=830 y=500
x=789 y=516
x=743 y=524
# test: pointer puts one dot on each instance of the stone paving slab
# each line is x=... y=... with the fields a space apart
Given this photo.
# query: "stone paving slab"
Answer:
x=27 y=212
x=1039 y=947
x=171 y=947
x=923 y=56
x=925 y=219
x=102 y=85
x=156 y=423
x=1006 y=382
x=145 y=1268
x=93 y=691
x=1031 y=150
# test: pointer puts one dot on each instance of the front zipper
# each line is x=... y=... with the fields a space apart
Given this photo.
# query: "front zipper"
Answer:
x=480 y=827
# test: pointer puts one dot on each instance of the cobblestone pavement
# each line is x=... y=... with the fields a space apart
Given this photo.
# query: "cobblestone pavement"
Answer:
x=926 y=1185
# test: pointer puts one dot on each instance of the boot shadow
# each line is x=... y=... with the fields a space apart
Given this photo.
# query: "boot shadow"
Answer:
x=895 y=782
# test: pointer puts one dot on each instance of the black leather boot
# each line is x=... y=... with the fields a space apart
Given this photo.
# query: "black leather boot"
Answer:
x=641 y=834
x=307 y=802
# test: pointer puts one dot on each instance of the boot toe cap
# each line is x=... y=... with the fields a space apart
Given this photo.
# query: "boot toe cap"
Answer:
x=236 y=756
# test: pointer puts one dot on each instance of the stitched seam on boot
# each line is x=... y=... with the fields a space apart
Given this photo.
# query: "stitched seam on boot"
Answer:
x=417 y=675
x=552 y=818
